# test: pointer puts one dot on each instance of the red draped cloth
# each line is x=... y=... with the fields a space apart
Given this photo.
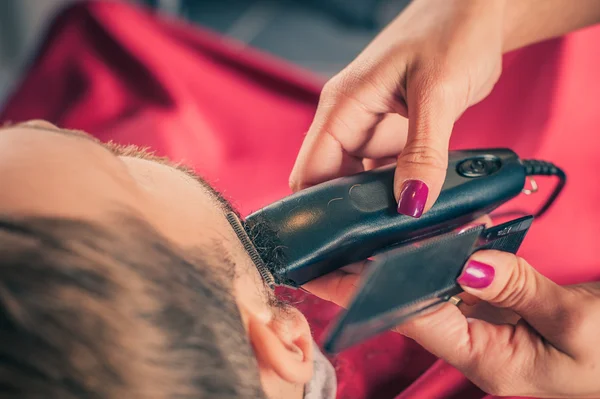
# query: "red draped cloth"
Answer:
x=238 y=117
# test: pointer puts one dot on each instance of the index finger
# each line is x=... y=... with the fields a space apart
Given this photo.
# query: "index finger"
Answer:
x=344 y=131
x=322 y=158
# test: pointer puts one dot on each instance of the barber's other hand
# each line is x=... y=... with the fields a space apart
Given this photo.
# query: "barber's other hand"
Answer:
x=552 y=350
x=431 y=63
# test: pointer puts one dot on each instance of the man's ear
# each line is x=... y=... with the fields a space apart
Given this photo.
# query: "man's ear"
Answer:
x=283 y=345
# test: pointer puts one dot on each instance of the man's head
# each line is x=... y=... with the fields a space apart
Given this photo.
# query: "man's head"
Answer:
x=121 y=277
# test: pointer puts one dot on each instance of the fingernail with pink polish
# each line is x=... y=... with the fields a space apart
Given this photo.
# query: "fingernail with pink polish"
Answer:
x=413 y=198
x=476 y=275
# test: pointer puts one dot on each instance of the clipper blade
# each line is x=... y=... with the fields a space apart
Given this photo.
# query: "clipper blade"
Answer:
x=239 y=230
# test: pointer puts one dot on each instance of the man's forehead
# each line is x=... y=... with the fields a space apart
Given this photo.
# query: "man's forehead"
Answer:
x=49 y=127
x=127 y=150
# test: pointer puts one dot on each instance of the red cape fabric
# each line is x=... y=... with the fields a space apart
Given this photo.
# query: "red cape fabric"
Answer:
x=238 y=117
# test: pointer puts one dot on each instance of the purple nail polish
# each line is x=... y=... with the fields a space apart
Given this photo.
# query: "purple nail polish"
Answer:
x=476 y=275
x=413 y=198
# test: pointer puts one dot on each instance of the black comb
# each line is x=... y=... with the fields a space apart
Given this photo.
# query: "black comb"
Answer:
x=403 y=282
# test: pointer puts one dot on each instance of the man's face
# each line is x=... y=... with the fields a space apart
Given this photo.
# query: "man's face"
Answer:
x=50 y=172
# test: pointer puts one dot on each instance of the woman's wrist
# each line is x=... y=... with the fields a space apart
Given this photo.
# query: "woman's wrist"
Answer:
x=532 y=21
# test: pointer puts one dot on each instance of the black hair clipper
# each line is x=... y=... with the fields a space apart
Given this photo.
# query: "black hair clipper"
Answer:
x=413 y=263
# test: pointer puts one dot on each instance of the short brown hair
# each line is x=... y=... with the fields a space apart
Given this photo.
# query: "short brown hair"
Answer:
x=116 y=311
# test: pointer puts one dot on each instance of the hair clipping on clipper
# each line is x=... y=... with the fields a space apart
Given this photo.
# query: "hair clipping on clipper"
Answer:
x=239 y=230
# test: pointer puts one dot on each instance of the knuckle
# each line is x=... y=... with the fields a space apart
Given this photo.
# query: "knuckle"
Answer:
x=297 y=179
x=329 y=94
x=425 y=153
x=344 y=83
x=294 y=179
x=342 y=90
x=331 y=88
x=293 y=184
x=339 y=88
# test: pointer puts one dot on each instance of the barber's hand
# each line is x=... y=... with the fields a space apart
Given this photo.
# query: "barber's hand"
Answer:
x=552 y=350
x=435 y=60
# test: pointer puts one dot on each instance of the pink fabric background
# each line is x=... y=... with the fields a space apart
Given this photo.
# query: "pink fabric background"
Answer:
x=238 y=117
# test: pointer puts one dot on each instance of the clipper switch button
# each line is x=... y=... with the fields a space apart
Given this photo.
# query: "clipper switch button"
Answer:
x=478 y=167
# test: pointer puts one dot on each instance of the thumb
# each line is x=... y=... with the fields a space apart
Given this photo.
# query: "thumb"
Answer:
x=507 y=359
x=508 y=281
x=423 y=162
